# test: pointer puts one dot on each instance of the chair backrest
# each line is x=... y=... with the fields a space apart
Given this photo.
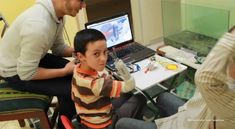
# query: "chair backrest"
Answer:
x=66 y=122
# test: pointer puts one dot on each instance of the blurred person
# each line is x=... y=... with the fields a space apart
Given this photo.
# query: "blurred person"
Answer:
x=213 y=104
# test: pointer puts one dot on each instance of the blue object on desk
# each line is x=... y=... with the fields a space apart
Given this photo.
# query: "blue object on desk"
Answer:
x=133 y=68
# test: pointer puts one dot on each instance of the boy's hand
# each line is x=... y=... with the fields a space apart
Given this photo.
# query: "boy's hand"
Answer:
x=122 y=69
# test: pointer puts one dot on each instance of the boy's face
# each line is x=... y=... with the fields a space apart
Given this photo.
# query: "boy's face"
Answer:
x=95 y=56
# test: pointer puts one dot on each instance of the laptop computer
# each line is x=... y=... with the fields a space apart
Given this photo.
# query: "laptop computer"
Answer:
x=119 y=36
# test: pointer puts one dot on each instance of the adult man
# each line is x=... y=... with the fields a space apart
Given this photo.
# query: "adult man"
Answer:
x=25 y=63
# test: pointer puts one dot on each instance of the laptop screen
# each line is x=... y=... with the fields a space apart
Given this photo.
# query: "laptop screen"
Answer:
x=116 y=29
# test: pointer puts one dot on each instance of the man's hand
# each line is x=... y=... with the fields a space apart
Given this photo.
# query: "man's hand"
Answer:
x=232 y=71
x=68 y=69
x=122 y=69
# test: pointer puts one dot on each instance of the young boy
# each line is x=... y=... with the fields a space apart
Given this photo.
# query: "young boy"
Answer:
x=93 y=89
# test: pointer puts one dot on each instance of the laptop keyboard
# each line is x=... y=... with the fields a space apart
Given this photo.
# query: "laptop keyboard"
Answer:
x=128 y=50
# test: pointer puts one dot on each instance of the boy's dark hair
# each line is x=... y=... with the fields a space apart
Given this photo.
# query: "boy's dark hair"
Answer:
x=83 y=37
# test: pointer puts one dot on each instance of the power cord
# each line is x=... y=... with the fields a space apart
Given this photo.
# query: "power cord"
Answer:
x=5 y=24
x=214 y=122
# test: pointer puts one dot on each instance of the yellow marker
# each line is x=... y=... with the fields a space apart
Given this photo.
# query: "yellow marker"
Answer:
x=171 y=66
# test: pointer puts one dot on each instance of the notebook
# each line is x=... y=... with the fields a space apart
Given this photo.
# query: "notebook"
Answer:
x=119 y=36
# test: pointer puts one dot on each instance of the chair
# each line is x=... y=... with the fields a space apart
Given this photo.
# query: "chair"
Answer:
x=18 y=105
x=66 y=122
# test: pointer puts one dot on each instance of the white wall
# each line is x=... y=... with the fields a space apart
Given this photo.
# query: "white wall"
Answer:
x=81 y=19
x=147 y=20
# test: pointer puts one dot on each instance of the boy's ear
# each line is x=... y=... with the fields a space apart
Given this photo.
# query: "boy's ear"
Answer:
x=80 y=56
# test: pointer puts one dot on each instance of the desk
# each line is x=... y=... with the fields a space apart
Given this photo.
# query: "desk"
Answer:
x=171 y=53
x=151 y=78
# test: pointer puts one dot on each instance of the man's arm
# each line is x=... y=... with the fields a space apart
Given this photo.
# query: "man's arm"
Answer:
x=213 y=82
x=60 y=48
x=33 y=45
x=44 y=73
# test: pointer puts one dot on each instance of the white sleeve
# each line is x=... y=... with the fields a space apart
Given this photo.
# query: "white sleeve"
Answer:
x=33 y=44
x=213 y=82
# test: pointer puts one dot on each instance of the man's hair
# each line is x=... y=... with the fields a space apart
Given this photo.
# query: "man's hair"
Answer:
x=84 y=37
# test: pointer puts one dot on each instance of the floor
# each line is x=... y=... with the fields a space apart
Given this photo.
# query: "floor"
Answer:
x=149 y=115
x=12 y=125
x=35 y=121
